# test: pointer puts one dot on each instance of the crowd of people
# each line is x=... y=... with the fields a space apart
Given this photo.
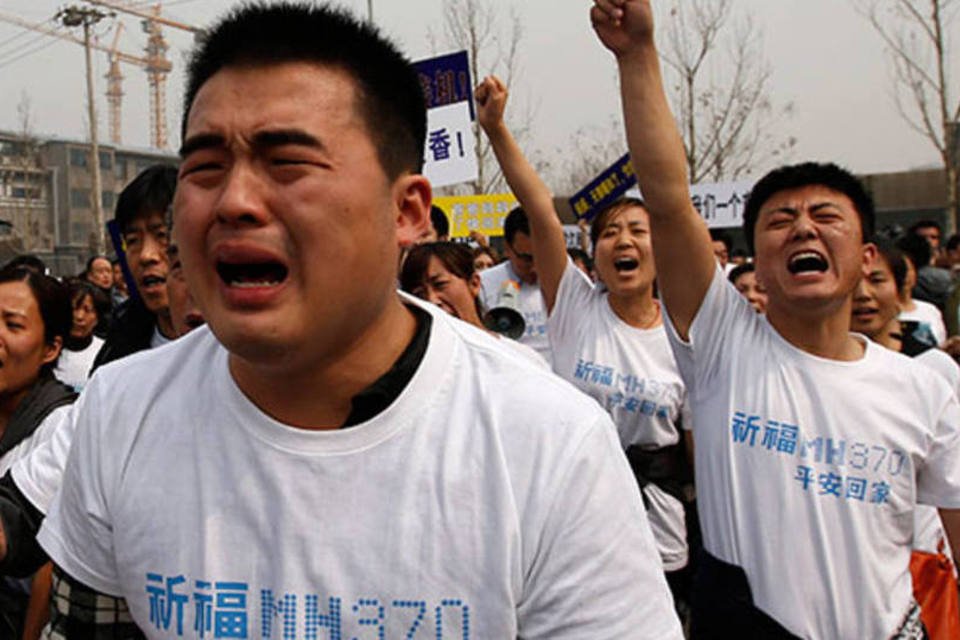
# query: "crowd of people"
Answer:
x=653 y=435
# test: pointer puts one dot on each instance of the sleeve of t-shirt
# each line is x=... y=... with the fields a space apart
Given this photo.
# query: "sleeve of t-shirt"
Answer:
x=596 y=572
x=938 y=476
x=39 y=474
x=77 y=533
x=573 y=296
x=722 y=325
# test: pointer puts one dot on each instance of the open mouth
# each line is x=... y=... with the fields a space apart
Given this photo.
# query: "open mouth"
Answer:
x=807 y=262
x=626 y=264
x=150 y=282
x=250 y=275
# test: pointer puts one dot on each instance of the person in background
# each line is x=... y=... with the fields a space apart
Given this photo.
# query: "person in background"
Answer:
x=519 y=268
x=99 y=272
x=439 y=229
x=608 y=339
x=926 y=314
x=34 y=321
x=483 y=258
x=118 y=292
x=933 y=283
x=875 y=314
x=722 y=244
x=744 y=278
x=143 y=322
x=81 y=346
x=443 y=273
x=582 y=261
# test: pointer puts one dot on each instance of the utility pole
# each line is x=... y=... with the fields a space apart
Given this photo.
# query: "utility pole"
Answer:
x=370 y=11
x=86 y=17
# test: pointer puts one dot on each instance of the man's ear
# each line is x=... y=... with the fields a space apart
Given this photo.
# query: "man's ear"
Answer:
x=870 y=256
x=412 y=195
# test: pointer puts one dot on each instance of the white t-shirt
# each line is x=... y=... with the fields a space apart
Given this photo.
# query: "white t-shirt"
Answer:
x=808 y=469
x=532 y=308
x=927 y=314
x=928 y=528
x=490 y=500
x=73 y=367
x=632 y=374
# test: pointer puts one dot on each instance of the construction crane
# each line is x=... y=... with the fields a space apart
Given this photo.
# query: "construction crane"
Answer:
x=156 y=54
x=114 y=76
x=115 y=88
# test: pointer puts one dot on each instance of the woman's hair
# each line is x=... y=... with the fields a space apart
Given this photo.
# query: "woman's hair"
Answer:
x=78 y=290
x=456 y=258
x=52 y=300
x=739 y=270
x=485 y=250
x=895 y=258
x=603 y=217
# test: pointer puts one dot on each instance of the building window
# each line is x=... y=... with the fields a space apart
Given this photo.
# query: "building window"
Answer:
x=79 y=157
x=106 y=162
x=80 y=198
x=107 y=199
x=80 y=232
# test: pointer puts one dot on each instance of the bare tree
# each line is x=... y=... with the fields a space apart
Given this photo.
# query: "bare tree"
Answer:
x=916 y=35
x=492 y=42
x=720 y=83
x=596 y=146
x=29 y=167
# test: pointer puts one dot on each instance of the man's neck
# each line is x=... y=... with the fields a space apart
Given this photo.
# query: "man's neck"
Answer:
x=165 y=325
x=317 y=394
x=823 y=332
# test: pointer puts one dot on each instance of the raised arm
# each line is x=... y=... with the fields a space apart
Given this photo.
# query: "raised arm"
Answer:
x=546 y=232
x=681 y=242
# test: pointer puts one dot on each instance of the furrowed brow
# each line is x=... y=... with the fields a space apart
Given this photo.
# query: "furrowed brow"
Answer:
x=201 y=141
x=281 y=137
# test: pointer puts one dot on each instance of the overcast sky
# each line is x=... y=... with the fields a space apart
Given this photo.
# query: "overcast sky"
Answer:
x=825 y=59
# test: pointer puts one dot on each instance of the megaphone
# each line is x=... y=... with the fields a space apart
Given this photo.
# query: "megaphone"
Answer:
x=505 y=318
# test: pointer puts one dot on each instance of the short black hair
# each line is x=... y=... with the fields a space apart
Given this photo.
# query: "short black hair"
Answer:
x=926 y=223
x=150 y=192
x=917 y=249
x=806 y=174
x=890 y=252
x=718 y=235
x=739 y=270
x=52 y=301
x=439 y=221
x=92 y=259
x=953 y=242
x=576 y=253
x=389 y=94
x=516 y=222
x=27 y=261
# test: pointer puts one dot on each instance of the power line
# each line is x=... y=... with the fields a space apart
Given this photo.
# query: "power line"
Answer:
x=21 y=46
x=8 y=62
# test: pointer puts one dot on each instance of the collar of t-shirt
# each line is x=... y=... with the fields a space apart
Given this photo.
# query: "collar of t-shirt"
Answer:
x=158 y=339
x=385 y=389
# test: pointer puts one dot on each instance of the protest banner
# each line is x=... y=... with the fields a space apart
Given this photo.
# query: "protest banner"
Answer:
x=449 y=156
x=476 y=213
x=446 y=80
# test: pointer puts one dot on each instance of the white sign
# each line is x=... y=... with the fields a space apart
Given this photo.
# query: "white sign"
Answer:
x=720 y=203
x=448 y=155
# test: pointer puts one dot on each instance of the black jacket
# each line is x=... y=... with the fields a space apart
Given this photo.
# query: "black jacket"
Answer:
x=131 y=329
